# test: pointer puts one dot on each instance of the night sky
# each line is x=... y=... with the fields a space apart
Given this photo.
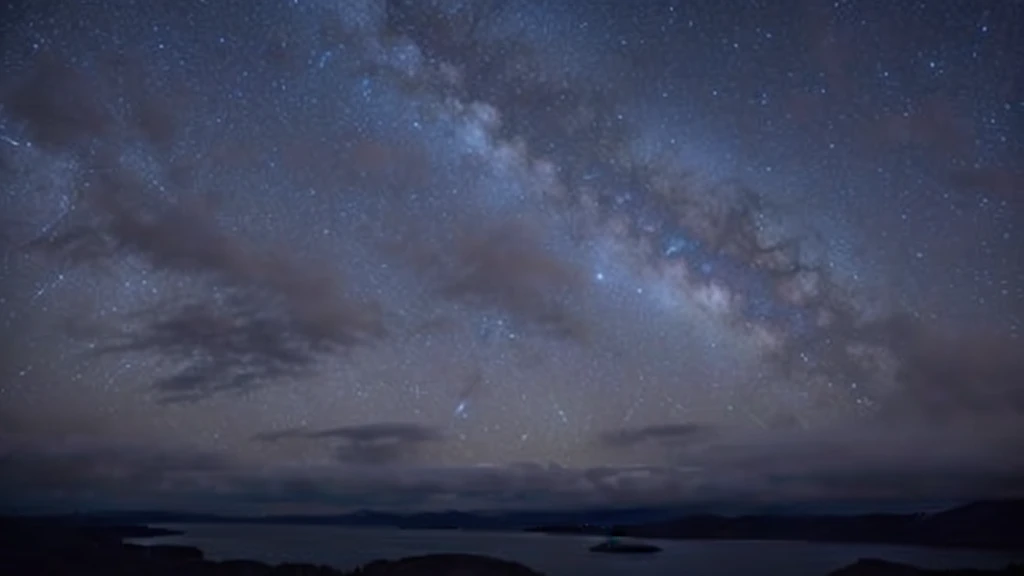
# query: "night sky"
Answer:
x=312 y=255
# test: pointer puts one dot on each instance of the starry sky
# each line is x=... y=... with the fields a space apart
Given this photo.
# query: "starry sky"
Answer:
x=312 y=255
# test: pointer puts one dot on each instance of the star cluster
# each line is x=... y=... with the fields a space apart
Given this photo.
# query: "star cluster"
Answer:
x=510 y=253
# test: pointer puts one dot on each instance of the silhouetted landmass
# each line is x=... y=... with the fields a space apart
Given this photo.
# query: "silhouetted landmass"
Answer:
x=986 y=525
x=871 y=567
x=983 y=525
x=30 y=547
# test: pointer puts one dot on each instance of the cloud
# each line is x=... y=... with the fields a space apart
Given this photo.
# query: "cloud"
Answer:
x=504 y=266
x=91 y=476
x=915 y=373
x=1006 y=183
x=508 y=268
x=267 y=315
x=545 y=110
x=876 y=461
x=63 y=107
x=842 y=465
x=379 y=443
x=934 y=122
x=943 y=417
x=353 y=160
x=95 y=474
x=849 y=461
x=263 y=312
x=974 y=379
x=945 y=420
x=59 y=105
x=522 y=485
x=234 y=345
x=665 y=434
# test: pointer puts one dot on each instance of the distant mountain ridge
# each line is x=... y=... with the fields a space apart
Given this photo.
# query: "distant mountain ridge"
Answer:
x=992 y=524
x=452 y=519
x=989 y=524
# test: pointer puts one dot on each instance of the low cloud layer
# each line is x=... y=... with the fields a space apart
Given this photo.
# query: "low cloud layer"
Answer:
x=381 y=443
x=665 y=434
x=378 y=466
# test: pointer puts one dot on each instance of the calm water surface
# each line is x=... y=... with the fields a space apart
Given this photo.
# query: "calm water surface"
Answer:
x=346 y=548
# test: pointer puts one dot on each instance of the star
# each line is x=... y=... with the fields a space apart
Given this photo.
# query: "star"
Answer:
x=410 y=239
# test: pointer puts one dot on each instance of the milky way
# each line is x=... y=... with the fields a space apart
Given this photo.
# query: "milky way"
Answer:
x=326 y=255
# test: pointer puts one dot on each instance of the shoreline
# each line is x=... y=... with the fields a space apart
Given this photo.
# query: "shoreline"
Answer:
x=558 y=531
x=826 y=541
x=64 y=548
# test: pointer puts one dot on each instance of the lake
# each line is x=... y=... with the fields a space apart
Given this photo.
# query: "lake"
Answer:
x=555 y=555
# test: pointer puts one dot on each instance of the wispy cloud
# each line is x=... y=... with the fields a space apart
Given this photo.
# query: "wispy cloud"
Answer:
x=378 y=443
x=508 y=267
x=738 y=470
x=262 y=312
x=505 y=266
x=59 y=105
x=665 y=434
